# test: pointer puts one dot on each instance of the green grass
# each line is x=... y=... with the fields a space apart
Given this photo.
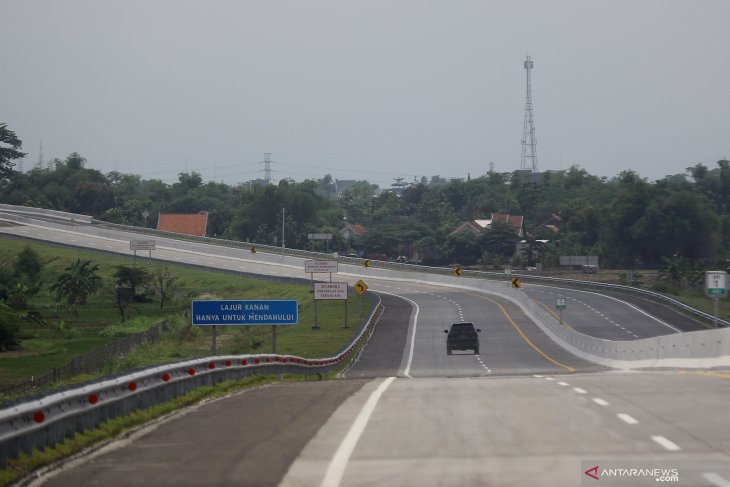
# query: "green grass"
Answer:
x=68 y=335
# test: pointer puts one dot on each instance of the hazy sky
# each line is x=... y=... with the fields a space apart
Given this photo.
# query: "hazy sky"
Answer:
x=366 y=89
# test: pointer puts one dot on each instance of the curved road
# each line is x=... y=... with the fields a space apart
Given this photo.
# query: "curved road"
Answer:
x=525 y=412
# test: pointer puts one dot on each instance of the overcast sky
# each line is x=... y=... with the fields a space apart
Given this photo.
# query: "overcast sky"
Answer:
x=366 y=89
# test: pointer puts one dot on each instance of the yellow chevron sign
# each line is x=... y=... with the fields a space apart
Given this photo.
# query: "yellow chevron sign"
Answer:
x=360 y=287
x=516 y=282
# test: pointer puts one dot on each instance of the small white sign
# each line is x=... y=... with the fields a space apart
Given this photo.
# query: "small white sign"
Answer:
x=715 y=284
x=320 y=266
x=330 y=290
x=142 y=245
x=319 y=236
x=508 y=272
x=560 y=303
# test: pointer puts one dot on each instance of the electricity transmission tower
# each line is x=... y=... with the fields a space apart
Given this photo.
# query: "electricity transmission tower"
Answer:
x=529 y=142
x=267 y=167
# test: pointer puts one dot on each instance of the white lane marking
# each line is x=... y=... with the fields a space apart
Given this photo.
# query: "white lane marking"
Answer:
x=580 y=391
x=538 y=376
x=549 y=378
x=412 y=342
x=667 y=444
x=627 y=419
x=622 y=302
x=563 y=384
x=600 y=401
x=716 y=479
x=337 y=465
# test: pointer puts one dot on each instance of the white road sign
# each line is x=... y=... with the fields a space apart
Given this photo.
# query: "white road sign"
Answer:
x=330 y=290
x=715 y=284
x=142 y=245
x=320 y=266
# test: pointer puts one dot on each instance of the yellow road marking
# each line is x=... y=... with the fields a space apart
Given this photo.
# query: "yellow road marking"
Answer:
x=522 y=334
x=553 y=313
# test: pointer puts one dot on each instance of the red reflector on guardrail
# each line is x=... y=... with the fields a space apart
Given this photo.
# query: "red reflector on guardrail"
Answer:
x=228 y=363
x=267 y=360
x=39 y=417
x=244 y=362
x=93 y=398
x=211 y=365
x=165 y=377
x=256 y=361
x=132 y=386
x=191 y=371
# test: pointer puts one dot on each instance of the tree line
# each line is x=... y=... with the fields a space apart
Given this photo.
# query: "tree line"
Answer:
x=627 y=221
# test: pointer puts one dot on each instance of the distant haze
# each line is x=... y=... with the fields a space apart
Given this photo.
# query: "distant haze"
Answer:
x=366 y=89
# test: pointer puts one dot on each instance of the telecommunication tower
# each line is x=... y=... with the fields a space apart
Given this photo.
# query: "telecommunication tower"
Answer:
x=529 y=142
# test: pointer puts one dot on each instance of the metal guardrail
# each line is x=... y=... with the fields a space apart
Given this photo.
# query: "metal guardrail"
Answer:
x=49 y=420
x=42 y=211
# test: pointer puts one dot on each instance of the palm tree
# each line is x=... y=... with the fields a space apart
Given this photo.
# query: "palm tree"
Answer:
x=77 y=282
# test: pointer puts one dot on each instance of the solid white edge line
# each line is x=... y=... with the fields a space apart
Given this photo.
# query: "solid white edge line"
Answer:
x=628 y=419
x=667 y=444
x=412 y=341
x=337 y=465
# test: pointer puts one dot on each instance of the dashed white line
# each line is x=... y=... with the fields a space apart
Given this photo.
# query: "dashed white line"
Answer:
x=667 y=444
x=563 y=383
x=600 y=401
x=628 y=419
x=538 y=376
x=549 y=378
x=580 y=391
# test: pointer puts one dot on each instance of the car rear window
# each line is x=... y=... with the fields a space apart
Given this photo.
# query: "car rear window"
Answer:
x=462 y=327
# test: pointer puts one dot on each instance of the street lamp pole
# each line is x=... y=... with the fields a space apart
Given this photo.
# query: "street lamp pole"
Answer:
x=283 y=219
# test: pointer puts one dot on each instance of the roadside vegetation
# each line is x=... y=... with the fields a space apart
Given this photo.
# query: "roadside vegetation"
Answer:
x=50 y=325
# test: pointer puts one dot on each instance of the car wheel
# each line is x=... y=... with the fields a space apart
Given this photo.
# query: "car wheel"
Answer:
x=476 y=351
x=448 y=351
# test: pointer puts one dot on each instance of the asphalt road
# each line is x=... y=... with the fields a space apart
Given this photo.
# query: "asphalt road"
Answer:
x=525 y=412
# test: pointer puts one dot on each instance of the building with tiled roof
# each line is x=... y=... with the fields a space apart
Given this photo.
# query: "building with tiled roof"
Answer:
x=195 y=224
x=477 y=227
x=351 y=231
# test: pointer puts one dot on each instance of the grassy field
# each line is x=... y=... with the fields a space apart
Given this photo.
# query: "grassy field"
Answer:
x=68 y=335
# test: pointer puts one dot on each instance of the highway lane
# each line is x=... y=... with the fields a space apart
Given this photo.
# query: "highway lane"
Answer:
x=519 y=431
x=602 y=316
x=525 y=421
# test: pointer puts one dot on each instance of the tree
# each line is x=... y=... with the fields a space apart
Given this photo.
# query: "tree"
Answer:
x=499 y=240
x=132 y=277
x=164 y=283
x=28 y=265
x=10 y=146
x=78 y=281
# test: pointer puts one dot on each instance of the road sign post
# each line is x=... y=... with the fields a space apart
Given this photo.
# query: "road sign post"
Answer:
x=716 y=288
x=560 y=306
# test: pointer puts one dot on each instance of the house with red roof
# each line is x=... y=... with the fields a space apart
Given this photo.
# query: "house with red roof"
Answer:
x=478 y=227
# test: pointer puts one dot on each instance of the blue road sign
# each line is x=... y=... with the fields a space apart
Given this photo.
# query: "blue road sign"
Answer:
x=259 y=312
